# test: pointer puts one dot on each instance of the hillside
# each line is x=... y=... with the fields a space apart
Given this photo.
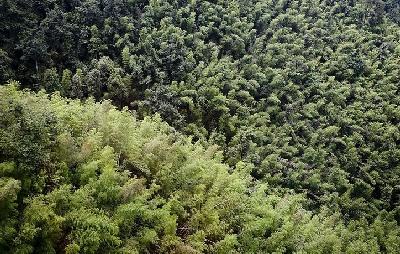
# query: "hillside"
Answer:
x=87 y=178
x=194 y=126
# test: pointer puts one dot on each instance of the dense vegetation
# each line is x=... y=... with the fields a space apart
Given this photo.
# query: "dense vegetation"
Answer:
x=87 y=178
x=277 y=127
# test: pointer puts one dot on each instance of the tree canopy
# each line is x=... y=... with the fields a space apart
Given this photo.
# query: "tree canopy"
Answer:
x=88 y=178
x=199 y=126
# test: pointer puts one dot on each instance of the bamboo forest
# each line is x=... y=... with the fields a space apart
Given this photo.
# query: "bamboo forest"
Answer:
x=199 y=126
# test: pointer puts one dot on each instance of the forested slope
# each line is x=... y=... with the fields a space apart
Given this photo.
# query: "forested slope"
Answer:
x=87 y=178
x=301 y=98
